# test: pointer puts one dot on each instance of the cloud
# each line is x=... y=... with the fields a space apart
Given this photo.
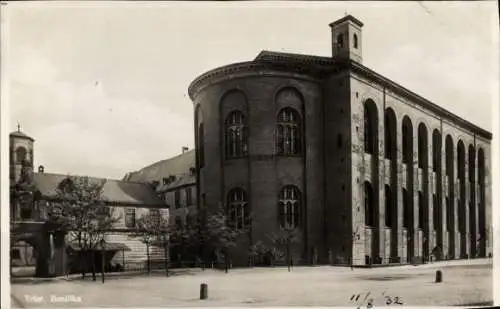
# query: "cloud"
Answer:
x=85 y=131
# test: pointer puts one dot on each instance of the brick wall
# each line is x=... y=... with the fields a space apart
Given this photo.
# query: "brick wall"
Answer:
x=262 y=174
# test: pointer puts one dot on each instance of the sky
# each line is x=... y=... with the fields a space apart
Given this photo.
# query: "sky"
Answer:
x=102 y=87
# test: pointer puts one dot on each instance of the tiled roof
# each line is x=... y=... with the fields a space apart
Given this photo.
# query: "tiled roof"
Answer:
x=114 y=191
x=178 y=165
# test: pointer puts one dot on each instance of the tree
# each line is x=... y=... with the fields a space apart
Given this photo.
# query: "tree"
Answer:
x=79 y=208
x=219 y=235
x=153 y=229
x=285 y=238
x=212 y=234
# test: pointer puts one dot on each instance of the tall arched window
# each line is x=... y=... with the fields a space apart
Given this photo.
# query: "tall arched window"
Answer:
x=20 y=154
x=462 y=212
x=238 y=211
x=422 y=146
x=407 y=140
x=481 y=174
x=340 y=40
x=369 y=205
x=289 y=133
x=450 y=212
x=236 y=135
x=436 y=151
x=289 y=207
x=388 y=206
x=371 y=127
x=390 y=134
x=201 y=141
x=355 y=40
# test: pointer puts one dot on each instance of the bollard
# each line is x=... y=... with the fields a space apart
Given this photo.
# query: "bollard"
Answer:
x=439 y=276
x=203 y=291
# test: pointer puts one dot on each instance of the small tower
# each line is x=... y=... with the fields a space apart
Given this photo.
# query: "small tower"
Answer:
x=346 y=39
x=21 y=149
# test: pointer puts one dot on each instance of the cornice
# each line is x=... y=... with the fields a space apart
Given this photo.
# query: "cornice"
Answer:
x=315 y=70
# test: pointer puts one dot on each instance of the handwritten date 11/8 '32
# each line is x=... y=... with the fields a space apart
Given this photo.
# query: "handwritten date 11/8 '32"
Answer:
x=359 y=300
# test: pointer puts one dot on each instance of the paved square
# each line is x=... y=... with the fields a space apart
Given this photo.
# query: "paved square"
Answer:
x=464 y=282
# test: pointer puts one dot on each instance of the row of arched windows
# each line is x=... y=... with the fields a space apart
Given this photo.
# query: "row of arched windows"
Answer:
x=289 y=208
x=288 y=134
x=371 y=140
x=455 y=180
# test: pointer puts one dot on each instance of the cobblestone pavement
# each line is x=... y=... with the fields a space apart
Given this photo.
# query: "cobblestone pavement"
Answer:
x=464 y=283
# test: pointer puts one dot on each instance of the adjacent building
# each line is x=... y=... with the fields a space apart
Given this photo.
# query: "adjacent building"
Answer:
x=367 y=171
x=36 y=242
x=174 y=180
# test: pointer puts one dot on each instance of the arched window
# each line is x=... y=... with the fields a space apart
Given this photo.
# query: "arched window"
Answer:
x=236 y=135
x=436 y=151
x=388 y=206
x=422 y=146
x=369 y=205
x=355 y=40
x=449 y=162
x=462 y=211
x=481 y=174
x=340 y=40
x=407 y=140
x=20 y=154
x=289 y=207
x=201 y=141
x=371 y=127
x=472 y=167
x=390 y=134
x=289 y=133
x=237 y=206
x=450 y=211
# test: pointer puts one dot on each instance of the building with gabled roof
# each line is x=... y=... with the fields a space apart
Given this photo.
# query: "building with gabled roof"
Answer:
x=35 y=241
x=363 y=169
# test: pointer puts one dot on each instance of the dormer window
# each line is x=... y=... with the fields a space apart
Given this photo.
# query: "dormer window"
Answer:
x=340 y=40
x=355 y=41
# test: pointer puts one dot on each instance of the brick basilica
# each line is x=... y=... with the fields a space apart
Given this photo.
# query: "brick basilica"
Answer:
x=366 y=171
